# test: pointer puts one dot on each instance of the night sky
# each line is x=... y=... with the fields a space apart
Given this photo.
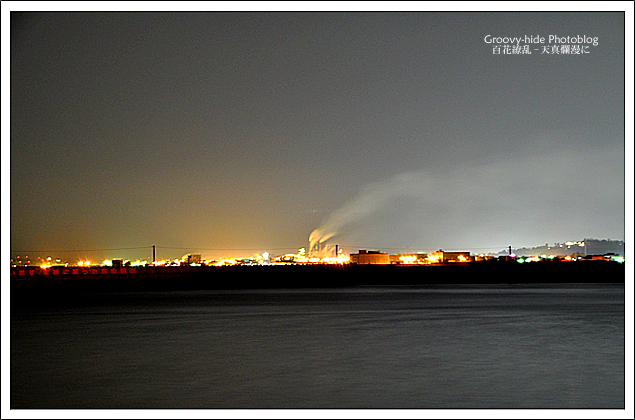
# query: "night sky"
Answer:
x=232 y=134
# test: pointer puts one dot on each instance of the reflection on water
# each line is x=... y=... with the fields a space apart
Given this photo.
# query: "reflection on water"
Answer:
x=459 y=347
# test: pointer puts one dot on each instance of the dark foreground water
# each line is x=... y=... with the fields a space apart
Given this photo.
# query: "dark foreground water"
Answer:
x=550 y=346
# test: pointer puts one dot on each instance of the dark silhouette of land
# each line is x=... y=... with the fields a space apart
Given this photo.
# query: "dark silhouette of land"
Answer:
x=49 y=290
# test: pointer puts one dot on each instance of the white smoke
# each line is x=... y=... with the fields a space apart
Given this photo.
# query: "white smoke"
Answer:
x=557 y=196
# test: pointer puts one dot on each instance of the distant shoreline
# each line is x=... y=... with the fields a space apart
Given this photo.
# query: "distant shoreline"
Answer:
x=318 y=276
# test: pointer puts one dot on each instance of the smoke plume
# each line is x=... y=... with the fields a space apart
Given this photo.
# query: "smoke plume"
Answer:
x=557 y=196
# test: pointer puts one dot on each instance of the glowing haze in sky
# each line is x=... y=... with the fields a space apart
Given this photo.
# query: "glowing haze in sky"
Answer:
x=240 y=133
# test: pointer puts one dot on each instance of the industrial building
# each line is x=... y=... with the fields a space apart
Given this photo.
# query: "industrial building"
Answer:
x=370 y=257
x=364 y=257
x=191 y=259
x=409 y=259
x=442 y=256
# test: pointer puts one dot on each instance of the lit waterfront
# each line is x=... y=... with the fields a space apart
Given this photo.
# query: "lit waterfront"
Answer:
x=301 y=258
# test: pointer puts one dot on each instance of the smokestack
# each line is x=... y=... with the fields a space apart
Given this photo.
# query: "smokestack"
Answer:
x=336 y=250
x=154 y=255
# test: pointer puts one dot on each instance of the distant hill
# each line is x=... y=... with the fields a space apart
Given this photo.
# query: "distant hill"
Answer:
x=575 y=248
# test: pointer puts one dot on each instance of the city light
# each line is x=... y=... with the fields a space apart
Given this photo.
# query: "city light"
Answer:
x=138 y=263
x=225 y=262
x=323 y=255
x=408 y=259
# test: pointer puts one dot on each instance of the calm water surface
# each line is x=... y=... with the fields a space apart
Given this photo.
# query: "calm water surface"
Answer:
x=498 y=346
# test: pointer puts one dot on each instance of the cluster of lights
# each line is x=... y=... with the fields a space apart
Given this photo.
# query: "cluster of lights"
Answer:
x=301 y=257
x=47 y=263
x=298 y=258
x=413 y=260
x=543 y=257
x=528 y=259
x=20 y=262
x=570 y=243
x=434 y=258
x=340 y=259
x=408 y=259
x=225 y=262
x=137 y=263
x=616 y=258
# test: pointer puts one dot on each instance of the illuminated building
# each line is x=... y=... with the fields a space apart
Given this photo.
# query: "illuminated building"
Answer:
x=409 y=259
x=449 y=257
x=370 y=257
x=191 y=259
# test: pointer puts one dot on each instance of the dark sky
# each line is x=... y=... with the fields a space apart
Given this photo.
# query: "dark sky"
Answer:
x=201 y=132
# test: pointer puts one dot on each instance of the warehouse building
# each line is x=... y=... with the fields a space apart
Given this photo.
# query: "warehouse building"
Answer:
x=442 y=256
x=364 y=257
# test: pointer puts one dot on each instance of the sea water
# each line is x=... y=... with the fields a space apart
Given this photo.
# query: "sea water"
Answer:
x=498 y=346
